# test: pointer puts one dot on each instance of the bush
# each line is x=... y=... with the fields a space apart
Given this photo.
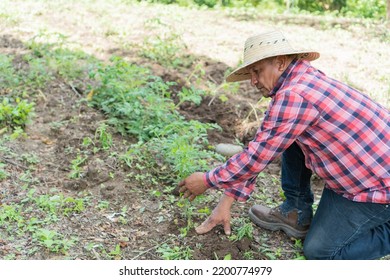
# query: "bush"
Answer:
x=365 y=8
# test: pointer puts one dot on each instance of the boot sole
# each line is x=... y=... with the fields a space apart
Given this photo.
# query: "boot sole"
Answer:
x=290 y=231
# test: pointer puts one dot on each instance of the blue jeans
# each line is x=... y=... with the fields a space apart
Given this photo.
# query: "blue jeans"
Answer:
x=340 y=228
x=296 y=184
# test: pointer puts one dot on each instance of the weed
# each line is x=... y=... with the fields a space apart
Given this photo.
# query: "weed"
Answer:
x=219 y=90
x=15 y=114
x=116 y=253
x=30 y=158
x=27 y=178
x=165 y=47
x=190 y=94
x=8 y=77
x=228 y=257
x=38 y=74
x=104 y=137
x=175 y=252
x=245 y=230
x=59 y=204
x=58 y=124
x=3 y=173
x=299 y=247
x=206 y=210
x=76 y=167
x=53 y=240
x=11 y=213
x=103 y=204
x=18 y=132
x=248 y=255
x=10 y=256
x=87 y=141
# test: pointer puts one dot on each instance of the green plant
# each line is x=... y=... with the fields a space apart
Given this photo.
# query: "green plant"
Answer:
x=11 y=213
x=116 y=253
x=298 y=245
x=208 y=3
x=15 y=114
x=165 y=48
x=17 y=133
x=57 y=203
x=76 y=166
x=87 y=141
x=228 y=257
x=38 y=74
x=30 y=158
x=365 y=8
x=103 y=204
x=245 y=230
x=190 y=94
x=175 y=252
x=104 y=137
x=52 y=240
x=8 y=76
x=135 y=102
x=3 y=173
x=248 y=255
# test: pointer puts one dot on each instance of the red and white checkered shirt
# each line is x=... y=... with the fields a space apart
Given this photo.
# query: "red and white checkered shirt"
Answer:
x=344 y=135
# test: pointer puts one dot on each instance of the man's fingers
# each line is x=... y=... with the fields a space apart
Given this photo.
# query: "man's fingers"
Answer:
x=182 y=183
x=192 y=197
x=182 y=189
x=205 y=227
x=226 y=228
x=187 y=193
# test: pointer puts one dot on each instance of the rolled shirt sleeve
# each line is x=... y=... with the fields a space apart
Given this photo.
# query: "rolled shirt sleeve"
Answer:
x=288 y=116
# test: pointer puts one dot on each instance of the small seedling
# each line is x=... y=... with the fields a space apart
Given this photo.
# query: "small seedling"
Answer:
x=76 y=167
x=103 y=136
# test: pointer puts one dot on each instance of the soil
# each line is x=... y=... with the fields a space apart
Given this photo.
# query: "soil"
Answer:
x=63 y=119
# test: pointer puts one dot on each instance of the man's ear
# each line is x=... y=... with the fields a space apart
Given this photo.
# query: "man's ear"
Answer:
x=281 y=62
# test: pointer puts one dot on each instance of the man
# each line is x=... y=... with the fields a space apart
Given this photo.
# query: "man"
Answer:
x=317 y=124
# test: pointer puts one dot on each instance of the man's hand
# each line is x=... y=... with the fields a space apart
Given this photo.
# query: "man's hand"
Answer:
x=219 y=216
x=192 y=186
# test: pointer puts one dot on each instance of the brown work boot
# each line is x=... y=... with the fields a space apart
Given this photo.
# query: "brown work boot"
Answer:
x=273 y=219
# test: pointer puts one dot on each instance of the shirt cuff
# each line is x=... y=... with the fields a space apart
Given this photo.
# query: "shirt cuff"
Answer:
x=207 y=181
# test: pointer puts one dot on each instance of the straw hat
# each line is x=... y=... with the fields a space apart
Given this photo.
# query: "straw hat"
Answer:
x=263 y=46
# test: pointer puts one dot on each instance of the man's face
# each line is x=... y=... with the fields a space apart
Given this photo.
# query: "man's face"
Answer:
x=265 y=74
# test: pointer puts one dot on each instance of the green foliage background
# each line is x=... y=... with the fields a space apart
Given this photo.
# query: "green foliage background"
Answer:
x=351 y=8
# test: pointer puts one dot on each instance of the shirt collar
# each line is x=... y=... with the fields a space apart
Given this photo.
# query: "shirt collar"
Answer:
x=286 y=74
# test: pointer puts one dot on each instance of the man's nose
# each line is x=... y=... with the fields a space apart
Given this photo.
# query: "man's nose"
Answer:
x=254 y=80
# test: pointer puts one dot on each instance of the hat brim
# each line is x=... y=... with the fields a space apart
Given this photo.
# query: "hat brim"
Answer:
x=242 y=73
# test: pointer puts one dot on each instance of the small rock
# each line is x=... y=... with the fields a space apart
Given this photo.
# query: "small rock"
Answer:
x=228 y=150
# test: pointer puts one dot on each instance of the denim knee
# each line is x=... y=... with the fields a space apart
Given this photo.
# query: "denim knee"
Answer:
x=312 y=250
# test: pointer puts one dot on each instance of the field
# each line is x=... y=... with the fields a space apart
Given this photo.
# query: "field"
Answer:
x=106 y=105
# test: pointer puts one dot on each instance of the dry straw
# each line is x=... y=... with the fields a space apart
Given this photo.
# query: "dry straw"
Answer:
x=266 y=45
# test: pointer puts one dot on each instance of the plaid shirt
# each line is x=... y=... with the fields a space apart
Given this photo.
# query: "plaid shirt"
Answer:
x=344 y=135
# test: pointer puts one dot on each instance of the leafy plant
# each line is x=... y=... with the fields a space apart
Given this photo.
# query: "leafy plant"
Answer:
x=165 y=47
x=103 y=204
x=58 y=203
x=104 y=137
x=76 y=166
x=8 y=77
x=3 y=173
x=245 y=230
x=53 y=240
x=175 y=252
x=15 y=114
x=191 y=94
